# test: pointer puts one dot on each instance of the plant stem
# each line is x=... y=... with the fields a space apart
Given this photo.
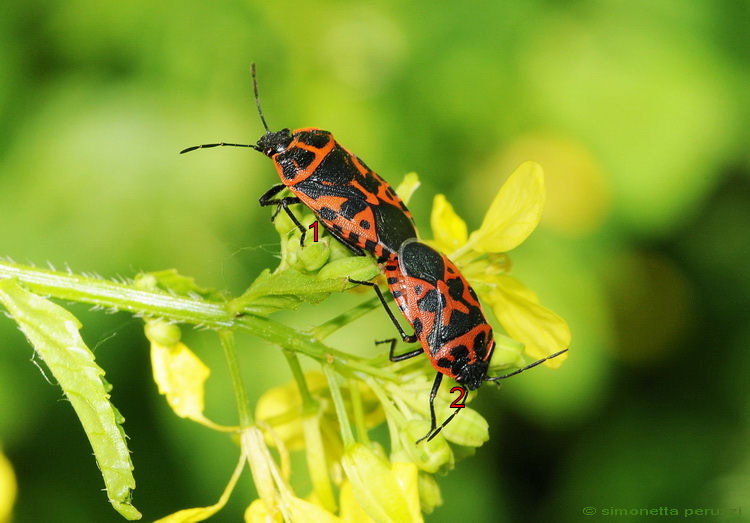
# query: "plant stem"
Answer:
x=308 y=402
x=324 y=330
x=120 y=296
x=180 y=309
x=359 y=415
x=240 y=393
x=338 y=402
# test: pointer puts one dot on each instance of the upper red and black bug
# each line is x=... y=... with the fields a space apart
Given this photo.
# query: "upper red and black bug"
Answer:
x=357 y=206
x=447 y=318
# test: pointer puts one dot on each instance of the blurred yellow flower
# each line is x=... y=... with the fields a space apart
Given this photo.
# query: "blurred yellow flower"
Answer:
x=513 y=215
x=7 y=488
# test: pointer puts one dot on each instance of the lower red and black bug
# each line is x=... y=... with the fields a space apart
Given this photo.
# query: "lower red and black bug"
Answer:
x=357 y=206
x=447 y=318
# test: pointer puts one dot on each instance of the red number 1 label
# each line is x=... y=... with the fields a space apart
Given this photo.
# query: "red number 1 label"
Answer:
x=314 y=227
x=457 y=403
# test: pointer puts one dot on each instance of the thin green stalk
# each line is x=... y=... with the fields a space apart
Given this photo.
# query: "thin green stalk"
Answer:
x=288 y=338
x=240 y=393
x=338 y=402
x=308 y=402
x=324 y=330
x=359 y=414
x=317 y=465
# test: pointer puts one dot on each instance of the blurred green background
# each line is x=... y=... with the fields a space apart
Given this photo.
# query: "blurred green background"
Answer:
x=638 y=112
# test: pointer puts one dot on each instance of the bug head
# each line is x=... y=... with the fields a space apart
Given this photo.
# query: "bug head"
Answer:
x=273 y=143
x=469 y=367
x=473 y=374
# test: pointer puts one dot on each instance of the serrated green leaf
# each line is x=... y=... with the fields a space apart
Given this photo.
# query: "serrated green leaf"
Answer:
x=53 y=332
x=288 y=288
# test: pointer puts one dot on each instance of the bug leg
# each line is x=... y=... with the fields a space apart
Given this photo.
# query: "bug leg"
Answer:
x=283 y=203
x=270 y=193
x=408 y=338
x=433 y=421
x=527 y=367
x=400 y=357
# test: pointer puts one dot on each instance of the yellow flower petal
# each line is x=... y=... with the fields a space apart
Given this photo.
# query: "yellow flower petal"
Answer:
x=514 y=213
x=518 y=310
x=448 y=229
x=302 y=511
x=351 y=511
x=257 y=512
x=7 y=488
x=178 y=372
x=407 y=187
x=281 y=407
x=317 y=464
x=407 y=477
x=385 y=494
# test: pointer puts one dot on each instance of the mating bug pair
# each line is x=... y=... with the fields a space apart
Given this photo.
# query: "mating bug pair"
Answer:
x=363 y=212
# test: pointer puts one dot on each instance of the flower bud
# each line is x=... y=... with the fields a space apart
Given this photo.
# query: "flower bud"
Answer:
x=283 y=223
x=293 y=249
x=429 y=493
x=355 y=267
x=430 y=456
x=468 y=429
x=163 y=333
x=314 y=255
x=508 y=354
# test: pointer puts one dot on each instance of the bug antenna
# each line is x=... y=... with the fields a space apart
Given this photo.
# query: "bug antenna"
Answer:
x=257 y=99
x=527 y=367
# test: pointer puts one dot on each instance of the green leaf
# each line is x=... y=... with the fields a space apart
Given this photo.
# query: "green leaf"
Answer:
x=288 y=288
x=53 y=331
x=285 y=290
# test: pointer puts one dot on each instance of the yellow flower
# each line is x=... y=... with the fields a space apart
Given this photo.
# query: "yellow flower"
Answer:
x=7 y=488
x=513 y=215
x=386 y=491
x=178 y=372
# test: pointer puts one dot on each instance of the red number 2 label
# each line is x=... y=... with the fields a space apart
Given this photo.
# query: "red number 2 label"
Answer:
x=457 y=403
x=314 y=227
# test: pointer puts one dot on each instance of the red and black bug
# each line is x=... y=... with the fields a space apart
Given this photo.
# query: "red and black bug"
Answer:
x=357 y=206
x=447 y=318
